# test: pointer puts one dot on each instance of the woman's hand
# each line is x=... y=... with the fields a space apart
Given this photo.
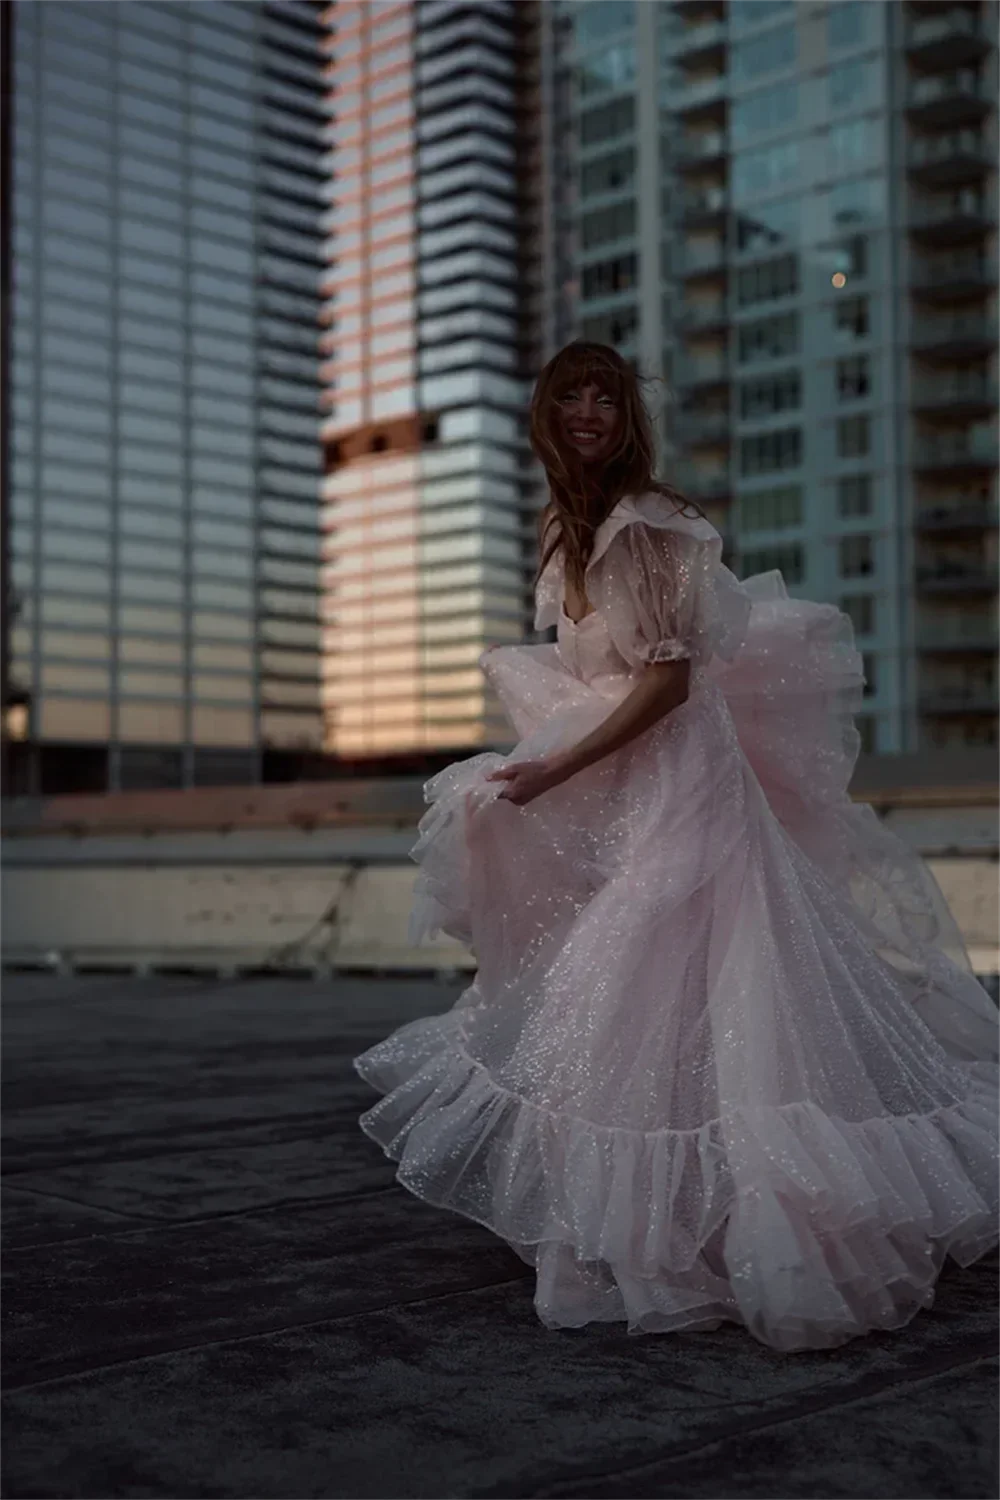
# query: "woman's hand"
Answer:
x=528 y=779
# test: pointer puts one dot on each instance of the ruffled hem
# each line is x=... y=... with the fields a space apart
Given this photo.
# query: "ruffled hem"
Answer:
x=808 y=1230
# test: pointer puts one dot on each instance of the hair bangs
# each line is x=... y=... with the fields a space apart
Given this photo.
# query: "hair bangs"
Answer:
x=583 y=364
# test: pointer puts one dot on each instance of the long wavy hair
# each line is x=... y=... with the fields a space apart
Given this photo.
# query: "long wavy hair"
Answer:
x=580 y=499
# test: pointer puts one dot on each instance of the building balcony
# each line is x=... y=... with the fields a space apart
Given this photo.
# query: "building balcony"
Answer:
x=703 y=429
x=693 y=11
x=959 y=338
x=973 y=638
x=954 y=39
x=701 y=45
x=960 y=216
x=956 y=578
x=962 y=276
x=706 y=486
x=947 y=520
x=949 y=99
x=970 y=699
x=950 y=160
x=704 y=318
x=704 y=264
x=956 y=453
x=702 y=96
x=698 y=153
x=705 y=208
x=967 y=395
x=701 y=372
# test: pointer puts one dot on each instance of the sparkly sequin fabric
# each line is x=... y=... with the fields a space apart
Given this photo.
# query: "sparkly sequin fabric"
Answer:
x=723 y=1057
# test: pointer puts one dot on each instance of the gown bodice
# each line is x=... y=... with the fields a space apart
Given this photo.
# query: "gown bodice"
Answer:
x=588 y=652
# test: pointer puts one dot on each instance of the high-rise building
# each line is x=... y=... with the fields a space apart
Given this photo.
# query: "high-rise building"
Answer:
x=432 y=323
x=789 y=209
x=165 y=460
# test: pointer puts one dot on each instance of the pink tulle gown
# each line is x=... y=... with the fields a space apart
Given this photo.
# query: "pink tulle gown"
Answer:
x=723 y=1057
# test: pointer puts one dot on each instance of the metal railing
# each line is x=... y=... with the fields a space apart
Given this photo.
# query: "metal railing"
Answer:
x=928 y=149
x=699 y=147
x=964 y=83
x=953 y=390
x=692 y=261
x=694 y=38
x=961 y=265
x=969 y=517
x=969 y=204
x=701 y=371
x=712 y=200
x=963 y=577
x=701 y=92
x=703 y=315
x=957 y=448
x=959 y=329
x=930 y=29
x=957 y=699
x=973 y=635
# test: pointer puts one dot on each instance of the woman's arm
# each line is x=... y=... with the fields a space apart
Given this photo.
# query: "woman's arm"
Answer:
x=662 y=687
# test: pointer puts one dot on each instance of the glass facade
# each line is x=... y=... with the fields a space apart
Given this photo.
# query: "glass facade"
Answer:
x=164 y=543
x=426 y=508
x=827 y=171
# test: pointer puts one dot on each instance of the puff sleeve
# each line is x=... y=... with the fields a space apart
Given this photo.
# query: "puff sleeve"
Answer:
x=667 y=597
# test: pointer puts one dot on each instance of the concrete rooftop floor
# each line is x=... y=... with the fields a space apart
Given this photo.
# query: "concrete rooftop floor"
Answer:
x=215 y=1288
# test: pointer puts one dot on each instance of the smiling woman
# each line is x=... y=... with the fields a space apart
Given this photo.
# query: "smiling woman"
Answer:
x=724 y=1058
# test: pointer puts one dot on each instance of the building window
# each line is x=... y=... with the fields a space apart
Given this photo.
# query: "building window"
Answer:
x=853 y=378
x=868 y=666
x=756 y=172
x=851 y=256
x=767 y=398
x=769 y=338
x=770 y=225
x=857 y=557
x=846 y=23
x=607 y=276
x=765 y=54
x=769 y=451
x=768 y=280
x=615 y=118
x=744 y=17
x=616 y=222
x=772 y=108
x=602 y=18
x=611 y=68
x=854 y=437
x=789 y=560
x=608 y=173
x=772 y=510
x=860 y=610
x=854 y=495
x=849 y=84
x=850 y=145
x=616 y=327
x=850 y=318
x=866 y=730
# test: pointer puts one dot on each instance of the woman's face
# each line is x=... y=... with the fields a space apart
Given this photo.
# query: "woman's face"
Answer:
x=587 y=419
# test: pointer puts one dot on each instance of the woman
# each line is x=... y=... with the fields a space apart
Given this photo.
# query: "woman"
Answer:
x=723 y=1057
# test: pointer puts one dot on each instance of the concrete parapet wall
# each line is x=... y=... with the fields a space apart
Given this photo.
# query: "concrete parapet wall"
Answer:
x=318 y=877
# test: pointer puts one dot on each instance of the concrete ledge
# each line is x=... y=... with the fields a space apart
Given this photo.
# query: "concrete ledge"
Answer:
x=939 y=780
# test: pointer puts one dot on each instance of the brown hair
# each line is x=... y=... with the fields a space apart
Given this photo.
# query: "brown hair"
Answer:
x=579 y=501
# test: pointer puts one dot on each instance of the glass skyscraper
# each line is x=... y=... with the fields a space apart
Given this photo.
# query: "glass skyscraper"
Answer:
x=431 y=315
x=787 y=209
x=164 y=466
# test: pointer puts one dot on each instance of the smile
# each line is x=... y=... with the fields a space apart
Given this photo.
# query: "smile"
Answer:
x=585 y=437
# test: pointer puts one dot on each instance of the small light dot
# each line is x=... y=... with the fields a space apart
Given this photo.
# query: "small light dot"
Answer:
x=839 y=279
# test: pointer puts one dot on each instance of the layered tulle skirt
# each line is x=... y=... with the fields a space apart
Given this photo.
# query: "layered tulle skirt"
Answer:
x=723 y=1057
